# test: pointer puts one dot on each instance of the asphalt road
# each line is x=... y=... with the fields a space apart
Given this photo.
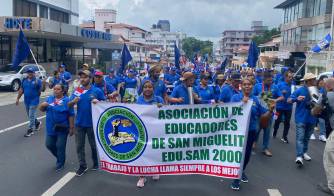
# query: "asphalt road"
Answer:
x=27 y=168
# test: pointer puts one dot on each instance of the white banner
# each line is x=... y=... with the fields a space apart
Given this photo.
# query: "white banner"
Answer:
x=144 y=140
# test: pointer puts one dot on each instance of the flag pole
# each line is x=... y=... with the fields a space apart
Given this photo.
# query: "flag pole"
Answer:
x=304 y=64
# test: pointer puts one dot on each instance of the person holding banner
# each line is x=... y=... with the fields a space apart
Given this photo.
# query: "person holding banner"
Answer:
x=204 y=91
x=219 y=84
x=180 y=95
x=257 y=111
x=83 y=97
x=109 y=91
x=59 y=124
x=148 y=98
x=31 y=88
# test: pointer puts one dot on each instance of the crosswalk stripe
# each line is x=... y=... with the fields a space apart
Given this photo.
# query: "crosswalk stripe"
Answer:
x=18 y=125
x=274 y=192
x=59 y=184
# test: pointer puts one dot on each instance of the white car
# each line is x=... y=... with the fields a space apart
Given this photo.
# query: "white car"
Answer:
x=328 y=74
x=12 y=78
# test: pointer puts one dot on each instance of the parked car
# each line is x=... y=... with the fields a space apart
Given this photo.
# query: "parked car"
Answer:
x=12 y=77
x=328 y=74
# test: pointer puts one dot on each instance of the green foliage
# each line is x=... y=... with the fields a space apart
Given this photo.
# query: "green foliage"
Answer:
x=191 y=46
x=267 y=36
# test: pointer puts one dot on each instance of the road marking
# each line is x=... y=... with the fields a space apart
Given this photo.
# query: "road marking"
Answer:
x=19 y=125
x=274 y=192
x=59 y=184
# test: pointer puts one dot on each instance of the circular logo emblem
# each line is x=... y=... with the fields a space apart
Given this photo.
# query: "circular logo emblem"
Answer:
x=121 y=134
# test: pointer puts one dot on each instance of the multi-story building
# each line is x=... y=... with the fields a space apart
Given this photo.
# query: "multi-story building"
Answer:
x=305 y=23
x=258 y=27
x=233 y=39
x=104 y=16
x=164 y=25
x=52 y=31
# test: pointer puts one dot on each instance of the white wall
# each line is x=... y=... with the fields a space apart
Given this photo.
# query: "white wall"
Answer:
x=6 y=9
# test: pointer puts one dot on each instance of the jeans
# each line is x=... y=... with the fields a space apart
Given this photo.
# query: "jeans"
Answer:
x=250 y=140
x=56 y=144
x=32 y=115
x=287 y=117
x=303 y=134
x=266 y=136
x=322 y=127
x=80 y=138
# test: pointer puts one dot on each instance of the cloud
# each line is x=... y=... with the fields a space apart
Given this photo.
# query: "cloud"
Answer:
x=201 y=18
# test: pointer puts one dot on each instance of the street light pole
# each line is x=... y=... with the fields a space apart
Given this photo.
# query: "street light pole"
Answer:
x=330 y=47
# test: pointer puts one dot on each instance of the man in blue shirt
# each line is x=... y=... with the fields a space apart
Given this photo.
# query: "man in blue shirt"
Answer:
x=172 y=77
x=304 y=120
x=31 y=89
x=230 y=89
x=267 y=90
x=112 y=79
x=65 y=76
x=108 y=90
x=83 y=97
x=258 y=75
x=180 y=94
x=283 y=108
x=205 y=92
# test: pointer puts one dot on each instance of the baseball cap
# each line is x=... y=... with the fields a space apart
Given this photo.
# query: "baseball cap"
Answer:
x=98 y=73
x=30 y=70
x=62 y=66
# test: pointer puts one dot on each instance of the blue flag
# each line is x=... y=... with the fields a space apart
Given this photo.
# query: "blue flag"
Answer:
x=22 y=50
x=126 y=58
x=224 y=64
x=253 y=55
x=177 y=56
x=322 y=44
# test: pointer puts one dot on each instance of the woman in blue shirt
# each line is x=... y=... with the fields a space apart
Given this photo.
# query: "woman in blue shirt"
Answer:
x=59 y=123
x=130 y=85
x=257 y=111
x=148 y=98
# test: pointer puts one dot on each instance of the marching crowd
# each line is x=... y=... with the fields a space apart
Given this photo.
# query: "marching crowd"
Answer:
x=270 y=90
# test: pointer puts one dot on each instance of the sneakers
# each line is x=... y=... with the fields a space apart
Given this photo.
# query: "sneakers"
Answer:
x=285 y=140
x=235 y=185
x=322 y=138
x=95 y=168
x=244 y=178
x=267 y=153
x=81 y=171
x=38 y=125
x=29 y=133
x=307 y=157
x=312 y=137
x=156 y=177
x=59 y=168
x=141 y=182
x=299 y=161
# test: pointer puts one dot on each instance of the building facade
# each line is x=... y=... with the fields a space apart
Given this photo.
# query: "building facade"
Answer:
x=258 y=27
x=305 y=23
x=104 y=16
x=232 y=40
x=51 y=28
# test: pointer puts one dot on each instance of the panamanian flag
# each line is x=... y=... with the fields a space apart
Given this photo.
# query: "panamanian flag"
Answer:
x=323 y=44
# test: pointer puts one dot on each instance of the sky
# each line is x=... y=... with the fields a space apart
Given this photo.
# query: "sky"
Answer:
x=203 y=19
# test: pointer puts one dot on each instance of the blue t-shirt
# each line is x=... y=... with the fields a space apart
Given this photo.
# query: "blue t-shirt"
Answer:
x=65 y=76
x=181 y=91
x=227 y=92
x=57 y=113
x=130 y=82
x=154 y=100
x=206 y=94
x=105 y=88
x=114 y=81
x=55 y=81
x=217 y=91
x=258 y=79
x=259 y=88
x=303 y=112
x=171 y=79
x=285 y=89
x=31 y=91
x=84 y=110
x=256 y=111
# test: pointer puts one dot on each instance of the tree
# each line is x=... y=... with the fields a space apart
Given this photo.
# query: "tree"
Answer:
x=267 y=36
x=192 y=46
